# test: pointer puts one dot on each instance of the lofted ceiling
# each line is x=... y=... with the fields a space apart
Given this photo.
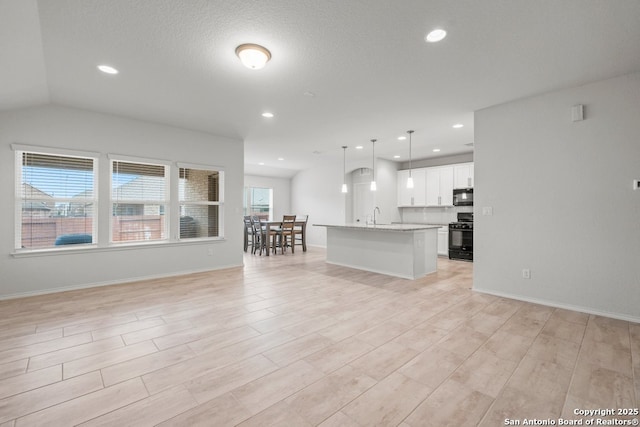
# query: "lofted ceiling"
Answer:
x=342 y=72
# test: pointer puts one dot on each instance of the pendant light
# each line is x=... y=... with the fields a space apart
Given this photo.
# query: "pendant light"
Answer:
x=344 y=169
x=410 y=179
x=373 y=163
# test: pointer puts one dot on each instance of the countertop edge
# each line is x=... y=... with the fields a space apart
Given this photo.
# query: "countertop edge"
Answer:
x=382 y=227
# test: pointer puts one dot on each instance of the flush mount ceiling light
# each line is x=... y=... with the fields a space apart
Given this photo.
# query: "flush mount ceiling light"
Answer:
x=396 y=156
x=253 y=56
x=436 y=150
x=402 y=138
x=359 y=147
x=457 y=126
x=436 y=35
x=107 y=69
x=410 y=179
x=267 y=114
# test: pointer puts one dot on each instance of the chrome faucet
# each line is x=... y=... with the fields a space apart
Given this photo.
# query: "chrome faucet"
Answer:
x=374 y=214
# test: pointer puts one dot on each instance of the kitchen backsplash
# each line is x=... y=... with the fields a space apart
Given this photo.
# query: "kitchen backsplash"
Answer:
x=432 y=215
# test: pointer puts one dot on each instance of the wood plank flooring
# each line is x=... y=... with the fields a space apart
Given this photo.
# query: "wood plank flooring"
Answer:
x=289 y=340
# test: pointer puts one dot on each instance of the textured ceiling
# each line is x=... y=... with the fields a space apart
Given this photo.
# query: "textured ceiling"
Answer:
x=366 y=62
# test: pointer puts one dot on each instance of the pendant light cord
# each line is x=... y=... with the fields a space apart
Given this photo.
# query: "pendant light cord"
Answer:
x=344 y=164
x=373 y=158
x=410 y=132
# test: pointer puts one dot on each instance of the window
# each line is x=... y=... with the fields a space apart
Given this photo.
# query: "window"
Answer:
x=258 y=202
x=200 y=199
x=139 y=198
x=56 y=201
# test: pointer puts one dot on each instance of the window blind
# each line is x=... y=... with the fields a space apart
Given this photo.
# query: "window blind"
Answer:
x=138 y=182
x=139 y=198
x=56 y=200
x=200 y=200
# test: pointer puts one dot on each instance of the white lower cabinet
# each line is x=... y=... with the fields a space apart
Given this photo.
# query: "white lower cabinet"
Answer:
x=443 y=241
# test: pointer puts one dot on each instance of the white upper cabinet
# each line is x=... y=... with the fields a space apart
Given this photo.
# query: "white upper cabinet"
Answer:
x=411 y=196
x=463 y=175
x=446 y=186
x=440 y=186
x=433 y=186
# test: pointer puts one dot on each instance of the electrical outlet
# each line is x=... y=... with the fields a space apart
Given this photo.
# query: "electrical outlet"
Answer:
x=210 y=252
x=526 y=273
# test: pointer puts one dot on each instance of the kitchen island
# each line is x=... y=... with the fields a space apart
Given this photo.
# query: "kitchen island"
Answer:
x=409 y=251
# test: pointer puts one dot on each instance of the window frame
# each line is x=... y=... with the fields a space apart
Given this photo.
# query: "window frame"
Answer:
x=248 y=196
x=102 y=234
x=19 y=151
x=167 y=203
x=220 y=203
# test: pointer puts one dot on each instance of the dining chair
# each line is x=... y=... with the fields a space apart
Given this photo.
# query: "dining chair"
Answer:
x=260 y=240
x=298 y=230
x=286 y=233
x=248 y=232
x=273 y=235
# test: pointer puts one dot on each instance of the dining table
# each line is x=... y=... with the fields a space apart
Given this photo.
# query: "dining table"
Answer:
x=302 y=224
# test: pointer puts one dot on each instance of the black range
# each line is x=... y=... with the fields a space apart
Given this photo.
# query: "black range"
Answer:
x=461 y=237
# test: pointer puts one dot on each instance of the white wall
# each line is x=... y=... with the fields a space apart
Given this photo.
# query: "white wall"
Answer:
x=61 y=127
x=281 y=192
x=316 y=192
x=386 y=197
x=562 y=198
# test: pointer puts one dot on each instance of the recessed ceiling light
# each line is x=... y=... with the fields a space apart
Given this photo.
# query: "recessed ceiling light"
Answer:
x=402 y=138
x=359 y=147
x=436 y=150
x=280 y=158
x=436 y=35
x=261 y=163
x=396 y=156
x=253 y=56
x=267 y=115
x=457 y=126
x=107 y=69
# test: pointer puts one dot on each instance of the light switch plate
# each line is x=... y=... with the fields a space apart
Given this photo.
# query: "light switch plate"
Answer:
x=577 y=113
x=487 y=210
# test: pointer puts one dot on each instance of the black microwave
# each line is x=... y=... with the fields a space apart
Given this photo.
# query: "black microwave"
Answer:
x=463 y=197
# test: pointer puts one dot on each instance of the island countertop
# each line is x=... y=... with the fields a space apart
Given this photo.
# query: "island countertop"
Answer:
x=381 y=227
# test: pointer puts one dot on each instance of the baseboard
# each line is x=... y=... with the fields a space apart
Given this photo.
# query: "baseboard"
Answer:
x=580 y=309
x=112 y=282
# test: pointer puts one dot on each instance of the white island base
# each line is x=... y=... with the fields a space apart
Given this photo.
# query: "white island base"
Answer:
x=397 y=250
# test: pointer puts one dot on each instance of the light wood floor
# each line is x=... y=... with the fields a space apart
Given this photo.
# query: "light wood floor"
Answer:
x=292 y=341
